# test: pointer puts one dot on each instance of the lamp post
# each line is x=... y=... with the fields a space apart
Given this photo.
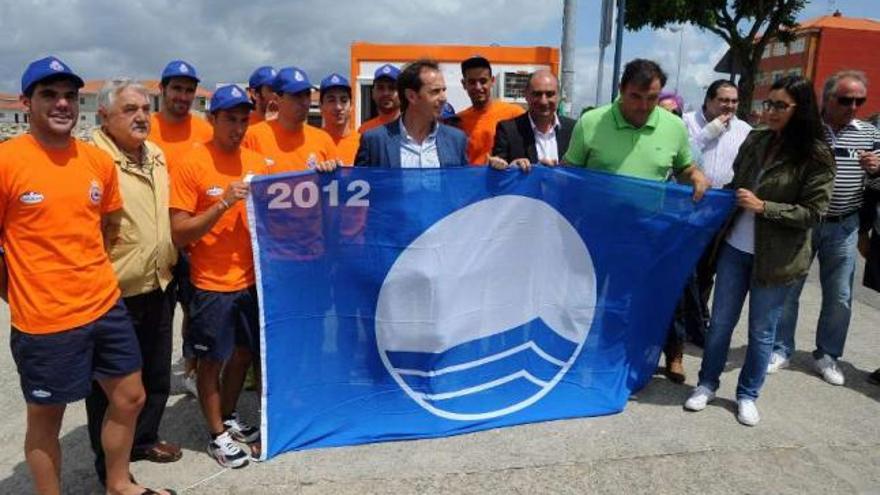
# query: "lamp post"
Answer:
x=680 y=31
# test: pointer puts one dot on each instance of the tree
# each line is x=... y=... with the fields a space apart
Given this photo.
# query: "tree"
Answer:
x=745 y=25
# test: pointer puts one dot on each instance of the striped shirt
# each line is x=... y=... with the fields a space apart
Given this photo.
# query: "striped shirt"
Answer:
x=849 y=181
x=716 y=153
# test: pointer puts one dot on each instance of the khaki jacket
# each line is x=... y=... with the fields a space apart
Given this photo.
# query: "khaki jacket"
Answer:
x=138 y=237
x=796 y=195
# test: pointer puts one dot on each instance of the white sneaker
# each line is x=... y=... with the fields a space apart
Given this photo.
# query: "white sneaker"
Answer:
x=189 y=384
x=226 y=452
x=241 y=431
x=827 y=367
x=777 y=362
x=747 y=412
x=699 y=398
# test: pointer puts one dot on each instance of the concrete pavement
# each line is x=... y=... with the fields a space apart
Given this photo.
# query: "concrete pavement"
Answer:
x=813 y=438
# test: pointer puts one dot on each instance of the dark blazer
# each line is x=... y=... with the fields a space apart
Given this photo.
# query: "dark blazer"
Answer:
x=380 y=147
x=514 y=138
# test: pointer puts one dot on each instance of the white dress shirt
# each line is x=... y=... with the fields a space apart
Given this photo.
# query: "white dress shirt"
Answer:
x=545 y=143
x=418 y=155
x=716 y=150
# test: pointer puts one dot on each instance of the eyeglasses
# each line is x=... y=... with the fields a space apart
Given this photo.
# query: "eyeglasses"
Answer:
x=776 y=105
x=727 y=101
x=848 y=101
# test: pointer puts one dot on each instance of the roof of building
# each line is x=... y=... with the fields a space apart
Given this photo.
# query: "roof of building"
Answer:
x=10 y=102
x=152 y=85
x=838 y=21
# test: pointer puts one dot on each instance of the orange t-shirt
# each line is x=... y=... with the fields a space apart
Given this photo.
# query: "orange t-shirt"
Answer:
x=378 y=120
x=289 y=150
x=347 y=147
x=177 y=139
x=479 y=125
x=221 y=260
x=51 y=202
x=255 y=118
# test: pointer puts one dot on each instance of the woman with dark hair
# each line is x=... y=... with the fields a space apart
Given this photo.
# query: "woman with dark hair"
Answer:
x=783 y=176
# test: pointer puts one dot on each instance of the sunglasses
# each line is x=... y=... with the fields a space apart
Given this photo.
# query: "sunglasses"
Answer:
x=847 y=101
x=776 y=105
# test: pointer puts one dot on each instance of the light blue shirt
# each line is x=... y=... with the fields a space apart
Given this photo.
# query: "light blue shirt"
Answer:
x=418 y=155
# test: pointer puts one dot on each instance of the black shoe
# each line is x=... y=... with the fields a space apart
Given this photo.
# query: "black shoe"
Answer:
x=875 y=377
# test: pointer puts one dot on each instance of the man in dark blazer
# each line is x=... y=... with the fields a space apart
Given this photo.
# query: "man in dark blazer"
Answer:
x=417 y=139
x=538 y=136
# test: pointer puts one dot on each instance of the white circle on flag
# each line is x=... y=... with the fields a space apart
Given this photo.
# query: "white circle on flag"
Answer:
x=479 y=299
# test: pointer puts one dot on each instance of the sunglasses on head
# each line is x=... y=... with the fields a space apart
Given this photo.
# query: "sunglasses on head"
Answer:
x=847 y=101
x=777 y=105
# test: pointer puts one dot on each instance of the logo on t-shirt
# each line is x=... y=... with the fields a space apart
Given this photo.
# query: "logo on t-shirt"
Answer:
x=95 y=192
x=214 y=191
x=31 y=198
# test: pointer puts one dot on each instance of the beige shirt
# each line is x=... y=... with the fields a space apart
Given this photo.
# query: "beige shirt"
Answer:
x=138 y=237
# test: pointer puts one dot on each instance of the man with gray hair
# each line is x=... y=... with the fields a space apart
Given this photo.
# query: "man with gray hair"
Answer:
x=856 y=147
x=138 y=240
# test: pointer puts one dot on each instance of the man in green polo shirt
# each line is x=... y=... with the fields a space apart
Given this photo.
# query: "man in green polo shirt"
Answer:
x=633 y=136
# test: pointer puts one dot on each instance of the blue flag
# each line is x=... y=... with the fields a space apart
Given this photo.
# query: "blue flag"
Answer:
x=407 y=303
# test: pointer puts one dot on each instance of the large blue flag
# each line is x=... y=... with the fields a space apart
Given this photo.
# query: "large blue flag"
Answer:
x=405 y=303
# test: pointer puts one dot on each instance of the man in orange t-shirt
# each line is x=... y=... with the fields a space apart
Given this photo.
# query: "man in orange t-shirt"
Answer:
x=174 y=128
x=69 y=325
x=336 y=114
x=261 y=94
x=480 y=119
x=384 y=94
x=209 y=221
x=291 y=143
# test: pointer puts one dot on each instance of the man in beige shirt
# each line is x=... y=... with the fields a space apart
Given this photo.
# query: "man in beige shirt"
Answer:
x=138 y=240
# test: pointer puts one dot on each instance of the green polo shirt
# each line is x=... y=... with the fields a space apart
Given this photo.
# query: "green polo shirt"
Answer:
x=603 y=140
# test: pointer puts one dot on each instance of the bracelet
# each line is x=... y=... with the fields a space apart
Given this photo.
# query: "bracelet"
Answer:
x=224 y=203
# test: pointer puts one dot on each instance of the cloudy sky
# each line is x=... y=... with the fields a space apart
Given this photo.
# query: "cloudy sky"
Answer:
x=226 y=39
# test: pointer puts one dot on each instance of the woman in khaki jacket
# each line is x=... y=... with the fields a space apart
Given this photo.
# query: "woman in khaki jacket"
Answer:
x=783 y=176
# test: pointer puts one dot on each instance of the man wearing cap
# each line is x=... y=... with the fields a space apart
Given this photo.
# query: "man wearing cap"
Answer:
x=291 y=143
x=69 y=324
x=176 y=131
x=262 y=96
x=417 y=139
x=336 y=114
x=138 y=240
x=385 y=97
x=480 y=119
x=539 y=135
x=173 y=127
x=208 y=220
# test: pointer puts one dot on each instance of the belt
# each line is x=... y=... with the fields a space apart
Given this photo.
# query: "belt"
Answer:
x=837 y=218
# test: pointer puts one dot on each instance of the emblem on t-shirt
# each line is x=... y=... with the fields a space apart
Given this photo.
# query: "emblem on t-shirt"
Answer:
x=214 y=191
x=95 y=192
x=31 y=198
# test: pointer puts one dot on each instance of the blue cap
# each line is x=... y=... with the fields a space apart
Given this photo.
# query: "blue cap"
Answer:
x=46 y=67
x=387 y=70
x=179 y=68
x=228 y=97
x=263 y=76
x=291 y=80
x=334 y=81
x=448 y=111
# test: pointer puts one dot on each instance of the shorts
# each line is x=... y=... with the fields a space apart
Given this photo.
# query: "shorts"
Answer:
x=181 y=279
x=58 y=368
x=221 y=321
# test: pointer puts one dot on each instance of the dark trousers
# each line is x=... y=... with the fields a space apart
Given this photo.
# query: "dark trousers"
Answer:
x=692 y=312
x=151 y=314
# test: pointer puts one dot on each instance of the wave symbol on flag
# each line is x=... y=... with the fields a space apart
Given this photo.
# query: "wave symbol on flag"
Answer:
x=468 y=328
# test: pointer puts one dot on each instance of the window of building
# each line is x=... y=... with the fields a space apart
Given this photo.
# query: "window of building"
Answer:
x=82 y=100
x=779 y=49
x=796 y=72
x=515 y=85
x=798 y=45
x=776 y=75
x=767 y=51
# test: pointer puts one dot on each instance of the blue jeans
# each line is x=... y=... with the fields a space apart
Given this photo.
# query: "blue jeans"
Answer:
x=733 y=280
x=835 y=244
